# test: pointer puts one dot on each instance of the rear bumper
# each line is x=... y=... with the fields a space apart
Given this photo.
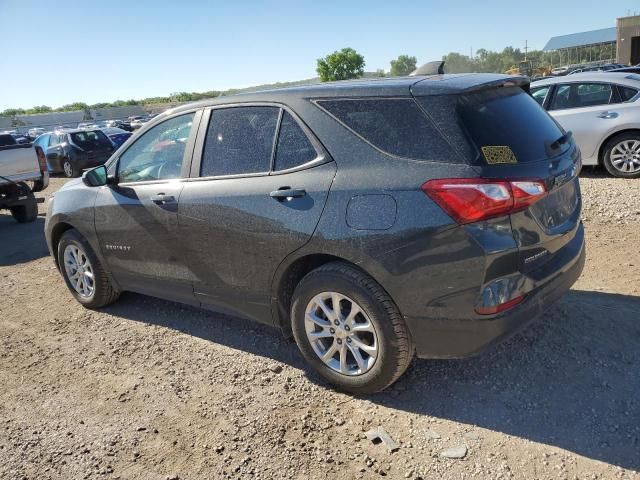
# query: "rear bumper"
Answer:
x=454 y=338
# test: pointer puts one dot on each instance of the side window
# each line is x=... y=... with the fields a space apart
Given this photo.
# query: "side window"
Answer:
x=158 y=153
x=627 y=93
x=53 y=140
x=578 y=95
x=42 y=140
x=395 y=126
x=239 y=141
x=293 y=147
x=539 y=94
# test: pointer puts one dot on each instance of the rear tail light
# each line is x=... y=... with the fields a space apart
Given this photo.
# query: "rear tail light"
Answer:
x=490 y=310
x=42 y=160
x=469 y=200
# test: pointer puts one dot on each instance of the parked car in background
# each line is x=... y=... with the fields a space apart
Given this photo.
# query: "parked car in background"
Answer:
x=20 y=138
x=139 y=122
x=19 y=164
x=602 y=112
x=35 y=132
x=71 y=151
x=117 y=135
x=121 y=124
x=635 y=69
x=369 y=219
x=598 y=68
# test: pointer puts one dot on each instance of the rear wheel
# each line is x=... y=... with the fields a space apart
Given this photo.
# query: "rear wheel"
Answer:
x=28 y=211
x=348 y=328
x=69 y=169
x=83 y=273
x=621 y=156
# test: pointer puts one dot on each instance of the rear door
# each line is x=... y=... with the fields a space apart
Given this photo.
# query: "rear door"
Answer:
x=259 y=184
x=585 y=109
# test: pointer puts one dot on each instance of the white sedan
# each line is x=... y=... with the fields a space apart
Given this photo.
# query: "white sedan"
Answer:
x=602 y=109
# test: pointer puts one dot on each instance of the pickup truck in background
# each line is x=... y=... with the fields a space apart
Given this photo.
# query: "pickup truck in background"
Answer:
x=23 y=171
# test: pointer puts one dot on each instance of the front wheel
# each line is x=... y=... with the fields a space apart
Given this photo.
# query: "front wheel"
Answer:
x=349 y=330
x=621 y=156
x=83 y=273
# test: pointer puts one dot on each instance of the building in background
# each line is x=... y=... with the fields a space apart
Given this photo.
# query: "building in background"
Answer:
x=619 y=44
x=628 y=40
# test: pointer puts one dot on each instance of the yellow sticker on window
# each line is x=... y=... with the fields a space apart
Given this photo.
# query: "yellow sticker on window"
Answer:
x=498 y=154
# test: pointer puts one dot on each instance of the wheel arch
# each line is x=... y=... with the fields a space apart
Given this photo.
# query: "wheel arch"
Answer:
x=287 y=280
x=604 y=143
x=56 y=234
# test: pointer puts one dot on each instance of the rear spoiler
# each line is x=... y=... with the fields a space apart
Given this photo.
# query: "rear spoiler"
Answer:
x=466 y=83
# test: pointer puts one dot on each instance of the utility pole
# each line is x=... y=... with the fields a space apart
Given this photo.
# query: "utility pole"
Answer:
x=526 y=48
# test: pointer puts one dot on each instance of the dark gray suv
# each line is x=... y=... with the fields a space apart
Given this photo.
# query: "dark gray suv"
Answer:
x=370 y=220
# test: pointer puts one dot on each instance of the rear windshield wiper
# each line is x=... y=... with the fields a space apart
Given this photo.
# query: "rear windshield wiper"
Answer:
x=562 y=140
x=552 y=147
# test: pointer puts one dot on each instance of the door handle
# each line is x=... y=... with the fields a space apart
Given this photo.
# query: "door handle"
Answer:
x=162 y=199
x=284 y=193
x=608 y=115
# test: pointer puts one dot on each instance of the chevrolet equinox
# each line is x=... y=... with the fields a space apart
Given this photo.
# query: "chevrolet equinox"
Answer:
x=370 y=220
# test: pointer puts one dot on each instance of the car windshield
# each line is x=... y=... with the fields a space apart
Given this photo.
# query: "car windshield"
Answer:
x=113 y=131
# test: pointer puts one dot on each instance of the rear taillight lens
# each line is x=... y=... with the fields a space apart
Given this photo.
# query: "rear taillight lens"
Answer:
x=469 y=200
x=42 y=160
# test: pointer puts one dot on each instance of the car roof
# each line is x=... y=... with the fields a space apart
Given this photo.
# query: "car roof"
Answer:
x=369 y=87
x=620 y=78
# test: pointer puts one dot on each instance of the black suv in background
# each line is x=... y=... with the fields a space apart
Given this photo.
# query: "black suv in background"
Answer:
x=370 y=219
x=71 y=151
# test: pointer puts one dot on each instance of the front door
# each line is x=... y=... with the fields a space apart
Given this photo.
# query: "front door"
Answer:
x=136 y=219
x=256 y=200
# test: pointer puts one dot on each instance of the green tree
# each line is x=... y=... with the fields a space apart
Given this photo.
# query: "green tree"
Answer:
x=403 y=65
x=341 y=65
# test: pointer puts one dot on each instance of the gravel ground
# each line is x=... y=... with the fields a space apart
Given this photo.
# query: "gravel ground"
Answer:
x=149 y=389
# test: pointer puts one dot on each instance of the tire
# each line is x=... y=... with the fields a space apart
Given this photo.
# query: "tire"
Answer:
x=103 y=293
x=614 y=159
x=69 y=169
x=28 y=212
x=389 y=334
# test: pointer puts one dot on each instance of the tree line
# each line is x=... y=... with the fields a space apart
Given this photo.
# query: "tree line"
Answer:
x=343 y=64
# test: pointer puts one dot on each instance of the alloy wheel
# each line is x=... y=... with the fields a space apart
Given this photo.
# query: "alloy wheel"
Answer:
x=341 y=333
x=68 y=169
x=79 y=271
x=625 y=156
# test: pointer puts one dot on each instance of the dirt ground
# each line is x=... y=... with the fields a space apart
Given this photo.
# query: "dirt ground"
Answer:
x=148 y=389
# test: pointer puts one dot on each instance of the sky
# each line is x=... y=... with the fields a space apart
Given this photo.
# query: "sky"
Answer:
x=58 y=52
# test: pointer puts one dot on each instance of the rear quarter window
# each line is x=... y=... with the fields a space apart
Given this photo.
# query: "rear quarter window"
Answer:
x=397 y=126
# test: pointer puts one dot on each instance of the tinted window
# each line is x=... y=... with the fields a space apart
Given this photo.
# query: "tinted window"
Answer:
x=508 y=117
x=395 y=126
x=158 y=153
x=294 y=148
x=539 y=94
x=239 y=140
x=627 y=93
x=577 y=95
x=91 y=140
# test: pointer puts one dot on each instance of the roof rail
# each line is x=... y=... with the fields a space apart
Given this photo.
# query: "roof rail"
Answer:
x=432 y=68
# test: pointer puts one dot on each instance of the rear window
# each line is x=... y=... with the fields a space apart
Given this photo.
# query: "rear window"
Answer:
x=627 y=93
x=90 y=140
x=501 y=125
x=396 y=126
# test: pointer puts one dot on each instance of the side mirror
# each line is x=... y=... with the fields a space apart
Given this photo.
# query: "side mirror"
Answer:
x=96 y=177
